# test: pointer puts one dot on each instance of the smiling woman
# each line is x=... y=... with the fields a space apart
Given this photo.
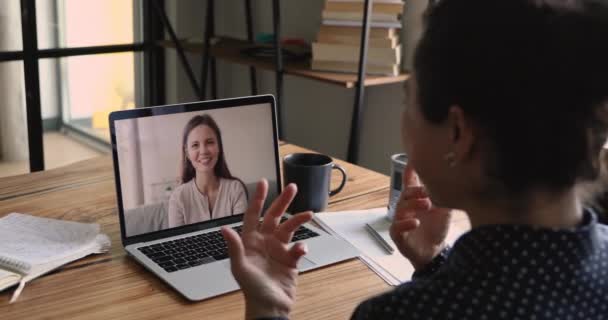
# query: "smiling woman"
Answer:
x=208 y=190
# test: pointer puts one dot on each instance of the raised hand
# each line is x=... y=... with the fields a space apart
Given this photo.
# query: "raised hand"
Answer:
x=419 y=229
x=262 y=262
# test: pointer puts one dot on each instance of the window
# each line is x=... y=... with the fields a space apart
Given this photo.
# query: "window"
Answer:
x=88 y=60
x=13 y=140
x=10 y=25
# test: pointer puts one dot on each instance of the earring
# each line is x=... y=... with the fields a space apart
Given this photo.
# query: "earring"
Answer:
x=450 y=157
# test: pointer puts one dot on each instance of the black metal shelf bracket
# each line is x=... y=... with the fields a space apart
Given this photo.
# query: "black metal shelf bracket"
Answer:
x=276 y=23
x=154 y=57
x=251 y=39
x=160 y=10
x=206 y=44
x=356 y=122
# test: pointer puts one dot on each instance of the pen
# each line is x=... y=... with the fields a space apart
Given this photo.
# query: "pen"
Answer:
x=379 y=239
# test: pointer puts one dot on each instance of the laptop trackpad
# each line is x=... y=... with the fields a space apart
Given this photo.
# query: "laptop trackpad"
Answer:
x=305 y=264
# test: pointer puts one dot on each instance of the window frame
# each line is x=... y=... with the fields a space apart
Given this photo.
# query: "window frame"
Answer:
x=149 y=72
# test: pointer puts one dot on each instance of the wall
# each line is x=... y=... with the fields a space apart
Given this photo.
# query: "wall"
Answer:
x=317 y=114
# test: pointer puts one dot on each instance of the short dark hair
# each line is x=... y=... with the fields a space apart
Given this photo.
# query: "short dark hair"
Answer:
x=533 y=76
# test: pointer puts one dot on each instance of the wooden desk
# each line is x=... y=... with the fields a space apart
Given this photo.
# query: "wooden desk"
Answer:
x=112 y=286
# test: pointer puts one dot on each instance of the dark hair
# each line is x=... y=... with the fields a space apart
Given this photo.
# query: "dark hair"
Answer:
x=221 y=168
x=531 y=74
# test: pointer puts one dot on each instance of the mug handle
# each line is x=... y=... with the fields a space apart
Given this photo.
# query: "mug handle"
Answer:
x=337 y=190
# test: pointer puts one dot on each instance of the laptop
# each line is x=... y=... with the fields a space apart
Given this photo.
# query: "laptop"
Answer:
x=162 y=154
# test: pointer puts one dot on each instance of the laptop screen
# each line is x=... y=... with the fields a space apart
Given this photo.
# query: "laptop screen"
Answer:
x=188 y=167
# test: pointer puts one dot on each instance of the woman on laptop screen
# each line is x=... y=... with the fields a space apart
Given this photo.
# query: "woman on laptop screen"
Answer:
x=208 y=190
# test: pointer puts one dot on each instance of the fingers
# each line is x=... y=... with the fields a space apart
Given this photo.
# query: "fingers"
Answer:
x=398 y=228
x=399 y=232
x=235 y=246
x=297 y=251
x=280 y=253
x=287 y=228
x=252 y=215
x=410 y=177
x=413 y=198
x=278 y=207
x=414 y=193
x=407 y=209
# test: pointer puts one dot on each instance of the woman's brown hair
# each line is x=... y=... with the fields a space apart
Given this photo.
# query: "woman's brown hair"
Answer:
x=221 y=168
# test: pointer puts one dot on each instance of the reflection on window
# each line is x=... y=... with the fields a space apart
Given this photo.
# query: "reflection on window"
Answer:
x=76 y=92
x=95 y=86
x=83 y=23
x=10 y=25
x=13 y=120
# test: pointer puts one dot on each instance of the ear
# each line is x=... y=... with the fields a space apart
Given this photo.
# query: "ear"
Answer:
x=462 y=134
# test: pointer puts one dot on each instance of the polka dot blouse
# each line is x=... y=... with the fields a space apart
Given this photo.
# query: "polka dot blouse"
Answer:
x=507 y=272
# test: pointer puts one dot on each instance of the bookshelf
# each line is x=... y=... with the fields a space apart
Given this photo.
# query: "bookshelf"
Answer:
x=229 y=49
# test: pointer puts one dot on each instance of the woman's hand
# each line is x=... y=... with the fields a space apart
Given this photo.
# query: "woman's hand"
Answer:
x=419 y=228
x=262 y=262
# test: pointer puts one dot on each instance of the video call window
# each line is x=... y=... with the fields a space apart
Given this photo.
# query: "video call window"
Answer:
x=184 y=168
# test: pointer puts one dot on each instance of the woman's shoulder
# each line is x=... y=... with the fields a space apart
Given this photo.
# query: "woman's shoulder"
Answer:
x=435 y=296
x=235 y=188
x=181 y=189
x=233 y=184
x=603 y=234
x=404 y=299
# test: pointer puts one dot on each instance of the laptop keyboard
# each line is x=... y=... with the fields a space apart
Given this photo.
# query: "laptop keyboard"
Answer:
x=200 y=249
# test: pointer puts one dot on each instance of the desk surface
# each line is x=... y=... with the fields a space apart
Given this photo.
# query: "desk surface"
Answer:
x=110 y=286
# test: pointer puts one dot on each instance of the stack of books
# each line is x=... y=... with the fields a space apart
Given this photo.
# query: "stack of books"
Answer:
x=337 y=47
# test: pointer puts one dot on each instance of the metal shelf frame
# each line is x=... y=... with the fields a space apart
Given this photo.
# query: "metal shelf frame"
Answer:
x=208 y=60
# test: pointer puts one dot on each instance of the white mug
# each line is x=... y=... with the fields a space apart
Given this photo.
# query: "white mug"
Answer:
x=398 y=162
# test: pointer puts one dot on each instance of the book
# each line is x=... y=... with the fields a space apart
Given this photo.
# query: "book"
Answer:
x=356 y=31
x=358 y=16
x=357 y=6
x=33 y=246
x=348 y=53
x=359 y=23
x=353 y=67
x=390 y=42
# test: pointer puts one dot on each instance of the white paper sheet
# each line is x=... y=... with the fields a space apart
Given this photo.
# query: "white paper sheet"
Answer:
x=32 y=246
x=393 y=268
x=35 y=240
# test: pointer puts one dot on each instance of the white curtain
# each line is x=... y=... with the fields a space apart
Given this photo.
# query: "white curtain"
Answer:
x=129 y=159
x=13 y=121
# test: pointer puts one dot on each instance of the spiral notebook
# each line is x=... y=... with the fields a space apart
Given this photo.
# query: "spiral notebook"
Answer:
x=32 y=246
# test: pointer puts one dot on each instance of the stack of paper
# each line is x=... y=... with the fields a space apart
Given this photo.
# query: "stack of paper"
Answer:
x=350 y=226
x=32 y=246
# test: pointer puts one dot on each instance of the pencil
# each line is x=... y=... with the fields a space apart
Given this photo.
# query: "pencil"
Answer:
x=379 y=239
